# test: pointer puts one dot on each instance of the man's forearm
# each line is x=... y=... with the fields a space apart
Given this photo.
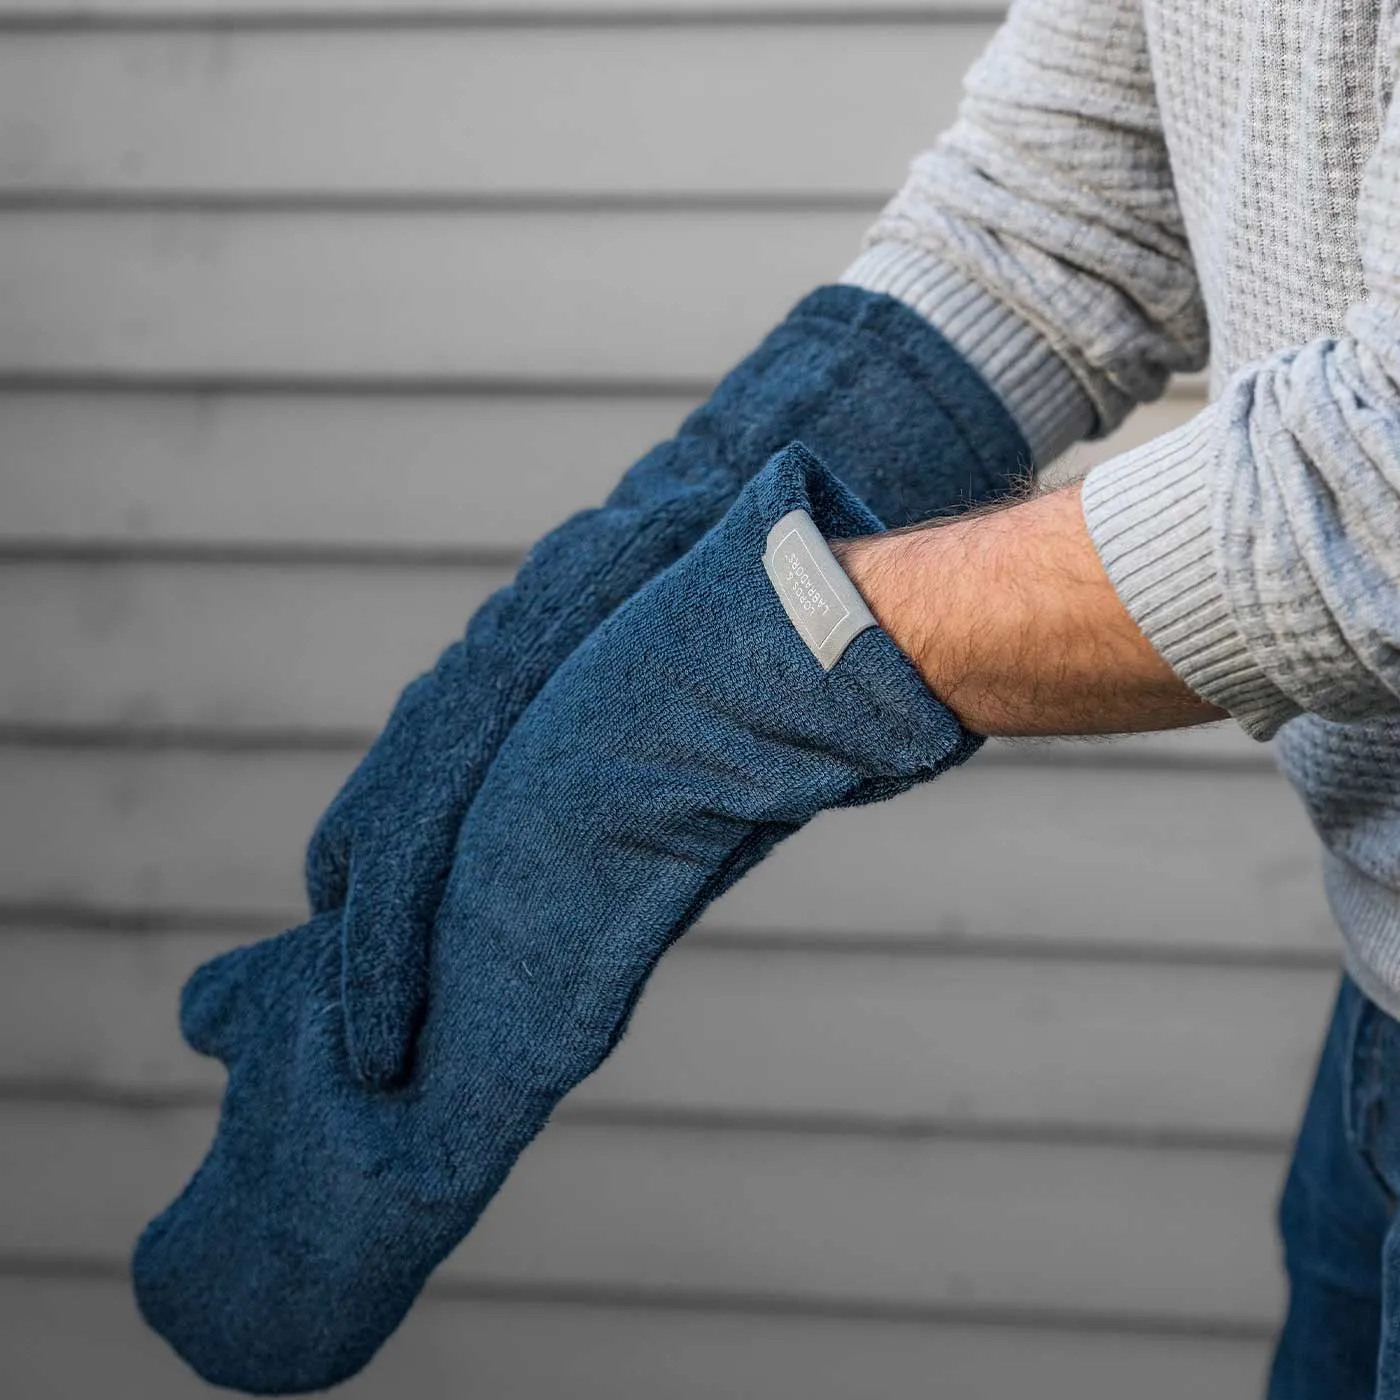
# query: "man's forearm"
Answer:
x=1013 y=623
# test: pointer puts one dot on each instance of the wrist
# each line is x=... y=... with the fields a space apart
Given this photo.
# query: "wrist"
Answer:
x=891 y=572
x=921 y=586
x=1012 y=622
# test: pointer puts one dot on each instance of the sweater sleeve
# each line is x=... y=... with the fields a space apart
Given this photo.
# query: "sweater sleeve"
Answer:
x=1041 y=233
x=1258 y=546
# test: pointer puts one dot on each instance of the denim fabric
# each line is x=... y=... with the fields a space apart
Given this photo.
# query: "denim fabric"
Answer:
x=684 y=738
x=1341 y=1338
x=860 y=378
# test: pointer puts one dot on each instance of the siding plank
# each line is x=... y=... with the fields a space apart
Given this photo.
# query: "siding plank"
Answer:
x=436 y=471
x=542 y=1351
x=878 y=1038
x=771 y=110
x=1169 y=860
x=535 y=296
x=224 y=646
x=839 y=1220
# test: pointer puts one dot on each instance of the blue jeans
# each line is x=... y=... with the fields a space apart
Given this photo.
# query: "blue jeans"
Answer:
x=1341 y=1238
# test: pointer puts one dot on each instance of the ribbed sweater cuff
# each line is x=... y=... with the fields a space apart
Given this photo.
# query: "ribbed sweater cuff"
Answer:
x=1149 y=515
x=1039 y=390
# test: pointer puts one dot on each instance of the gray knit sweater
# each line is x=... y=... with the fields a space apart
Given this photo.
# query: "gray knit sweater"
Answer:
x=1136 y=186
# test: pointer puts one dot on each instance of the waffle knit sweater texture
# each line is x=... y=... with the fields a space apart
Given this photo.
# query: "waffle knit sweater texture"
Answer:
x=1134 y=188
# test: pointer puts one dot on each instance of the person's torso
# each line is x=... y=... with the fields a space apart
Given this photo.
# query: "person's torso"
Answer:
x=1270 y=109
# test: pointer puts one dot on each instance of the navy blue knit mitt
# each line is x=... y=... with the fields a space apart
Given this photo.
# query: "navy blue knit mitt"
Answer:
x=859 y=377
x=733 y=698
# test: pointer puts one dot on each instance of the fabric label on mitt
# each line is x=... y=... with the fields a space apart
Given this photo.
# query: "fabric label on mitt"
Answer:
x=813 y=588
